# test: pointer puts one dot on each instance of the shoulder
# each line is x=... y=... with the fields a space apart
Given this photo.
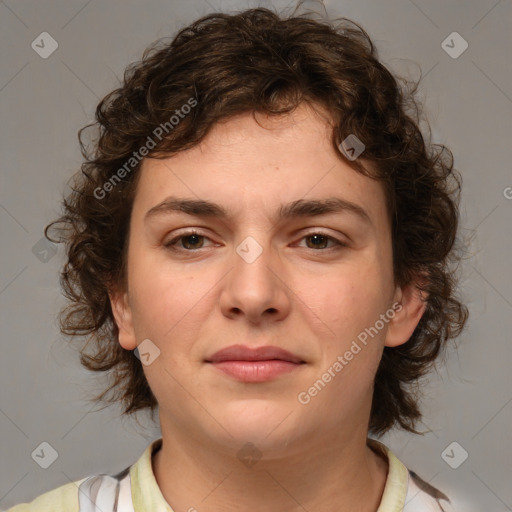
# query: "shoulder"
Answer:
x=423 y=497
x=102 y=492
x=63 y=498
x=405 y=491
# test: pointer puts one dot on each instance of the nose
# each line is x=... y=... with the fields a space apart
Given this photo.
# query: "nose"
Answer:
x=255 y=288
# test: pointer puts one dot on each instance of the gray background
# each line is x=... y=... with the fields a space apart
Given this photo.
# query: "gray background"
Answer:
x=43 y=103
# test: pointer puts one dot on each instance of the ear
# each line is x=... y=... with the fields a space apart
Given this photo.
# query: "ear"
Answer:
x=413 y=303
x=123 y=317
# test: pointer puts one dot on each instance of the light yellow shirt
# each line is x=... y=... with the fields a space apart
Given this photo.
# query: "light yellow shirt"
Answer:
x=136 y=490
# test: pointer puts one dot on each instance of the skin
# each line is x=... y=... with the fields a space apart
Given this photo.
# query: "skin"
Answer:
x=310 y=301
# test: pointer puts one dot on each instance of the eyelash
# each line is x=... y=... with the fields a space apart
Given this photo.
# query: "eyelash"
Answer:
x=171 y=245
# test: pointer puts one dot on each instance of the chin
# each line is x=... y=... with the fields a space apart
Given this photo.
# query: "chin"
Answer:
x=258 y=421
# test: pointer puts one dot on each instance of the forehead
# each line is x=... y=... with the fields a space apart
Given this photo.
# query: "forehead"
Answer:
x=253 y=165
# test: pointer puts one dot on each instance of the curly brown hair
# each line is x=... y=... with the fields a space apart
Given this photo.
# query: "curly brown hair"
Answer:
x=260 y=61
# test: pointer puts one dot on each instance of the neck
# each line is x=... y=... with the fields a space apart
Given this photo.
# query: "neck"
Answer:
x=339 y=474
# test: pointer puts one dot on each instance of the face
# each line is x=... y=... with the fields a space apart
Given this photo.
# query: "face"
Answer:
x=277 y=269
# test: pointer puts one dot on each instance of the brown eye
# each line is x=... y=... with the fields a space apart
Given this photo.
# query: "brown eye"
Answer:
x=191 y=241
x=187 y=242
x=318 y=241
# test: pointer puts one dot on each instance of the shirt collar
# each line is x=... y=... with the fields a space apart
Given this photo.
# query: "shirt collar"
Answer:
x=146 y=494
x=397 y=481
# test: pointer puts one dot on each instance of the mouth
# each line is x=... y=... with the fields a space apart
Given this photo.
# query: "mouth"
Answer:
x=255 y=365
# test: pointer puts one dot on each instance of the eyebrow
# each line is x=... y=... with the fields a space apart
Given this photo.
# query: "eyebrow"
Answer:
x=299 y=208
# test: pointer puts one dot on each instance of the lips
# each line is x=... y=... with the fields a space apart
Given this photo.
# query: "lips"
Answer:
x=255 y=365
x=244 y=353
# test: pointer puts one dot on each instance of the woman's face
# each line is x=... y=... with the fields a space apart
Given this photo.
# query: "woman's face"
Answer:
x=310 y=282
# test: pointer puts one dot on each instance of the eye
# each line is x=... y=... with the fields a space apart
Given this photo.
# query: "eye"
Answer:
x=190 y=241
x=320 y=239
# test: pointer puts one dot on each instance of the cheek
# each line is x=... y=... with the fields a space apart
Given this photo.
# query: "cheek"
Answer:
x=160 y=298
x=170 y=304
x=350 y=302
x=350 y=297
x=160 y=304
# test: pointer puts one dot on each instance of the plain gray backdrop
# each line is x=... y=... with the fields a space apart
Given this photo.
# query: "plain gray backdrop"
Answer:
x=43 y=103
